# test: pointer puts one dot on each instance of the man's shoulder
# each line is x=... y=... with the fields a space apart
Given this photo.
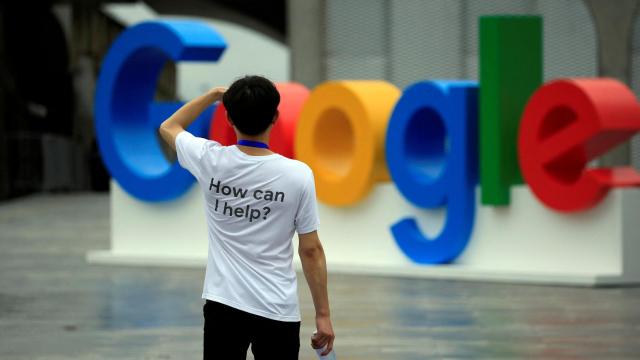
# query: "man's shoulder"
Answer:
x=295 y=166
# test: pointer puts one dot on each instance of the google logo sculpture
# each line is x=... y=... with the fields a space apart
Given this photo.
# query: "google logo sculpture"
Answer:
x=435 y=140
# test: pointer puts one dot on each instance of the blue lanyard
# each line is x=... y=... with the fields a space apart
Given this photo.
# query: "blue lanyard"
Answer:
x=256 y=144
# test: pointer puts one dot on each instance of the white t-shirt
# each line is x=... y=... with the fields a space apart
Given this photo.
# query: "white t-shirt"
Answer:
x=254 y=204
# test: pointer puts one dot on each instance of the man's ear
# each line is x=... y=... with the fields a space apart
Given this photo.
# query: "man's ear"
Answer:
x=275 y=117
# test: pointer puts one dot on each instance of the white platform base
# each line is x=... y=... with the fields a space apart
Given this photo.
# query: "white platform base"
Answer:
x=450 y=272
x=522 y=243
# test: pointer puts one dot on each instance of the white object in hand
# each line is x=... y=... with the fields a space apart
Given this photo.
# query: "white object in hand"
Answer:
x=330 y=356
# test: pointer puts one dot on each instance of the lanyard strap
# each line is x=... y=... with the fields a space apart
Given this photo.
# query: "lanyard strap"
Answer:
x=251 y=143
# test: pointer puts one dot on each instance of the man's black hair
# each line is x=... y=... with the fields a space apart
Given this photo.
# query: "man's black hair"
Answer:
x=251 y=103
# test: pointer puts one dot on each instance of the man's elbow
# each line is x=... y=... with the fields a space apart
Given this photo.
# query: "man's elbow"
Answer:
x=166 y=126
x=164 y=132
x=168 y=131
x=311 y=252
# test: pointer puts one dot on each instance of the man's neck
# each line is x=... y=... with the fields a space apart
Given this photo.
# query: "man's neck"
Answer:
x=250 y=150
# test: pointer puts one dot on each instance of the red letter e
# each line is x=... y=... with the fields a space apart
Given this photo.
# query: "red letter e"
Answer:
x=566 y=124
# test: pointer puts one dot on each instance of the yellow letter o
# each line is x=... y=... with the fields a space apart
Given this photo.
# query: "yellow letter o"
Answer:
x=340 y=135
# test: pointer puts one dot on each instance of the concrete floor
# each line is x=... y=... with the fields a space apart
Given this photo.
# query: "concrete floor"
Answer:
x=53 y=305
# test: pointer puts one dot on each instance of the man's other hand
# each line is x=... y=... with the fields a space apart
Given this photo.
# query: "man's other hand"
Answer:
x=324 y=336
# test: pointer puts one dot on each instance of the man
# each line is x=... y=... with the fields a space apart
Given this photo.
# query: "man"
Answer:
x=255 y=200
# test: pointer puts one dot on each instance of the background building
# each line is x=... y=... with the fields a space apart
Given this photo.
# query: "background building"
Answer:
x=50 y=54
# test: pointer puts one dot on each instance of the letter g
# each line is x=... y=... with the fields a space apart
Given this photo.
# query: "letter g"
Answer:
x=432 y=156
x=127 y=119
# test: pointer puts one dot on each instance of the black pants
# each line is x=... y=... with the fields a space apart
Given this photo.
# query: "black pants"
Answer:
x=229 y=331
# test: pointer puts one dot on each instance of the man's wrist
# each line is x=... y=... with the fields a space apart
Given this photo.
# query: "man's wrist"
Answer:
x=212 y=96
x=215 y=94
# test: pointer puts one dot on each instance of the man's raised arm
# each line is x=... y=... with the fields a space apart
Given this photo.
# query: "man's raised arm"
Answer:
x=181 y=119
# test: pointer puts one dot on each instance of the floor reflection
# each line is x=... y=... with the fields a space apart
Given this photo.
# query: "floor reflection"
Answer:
x=53 y=305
